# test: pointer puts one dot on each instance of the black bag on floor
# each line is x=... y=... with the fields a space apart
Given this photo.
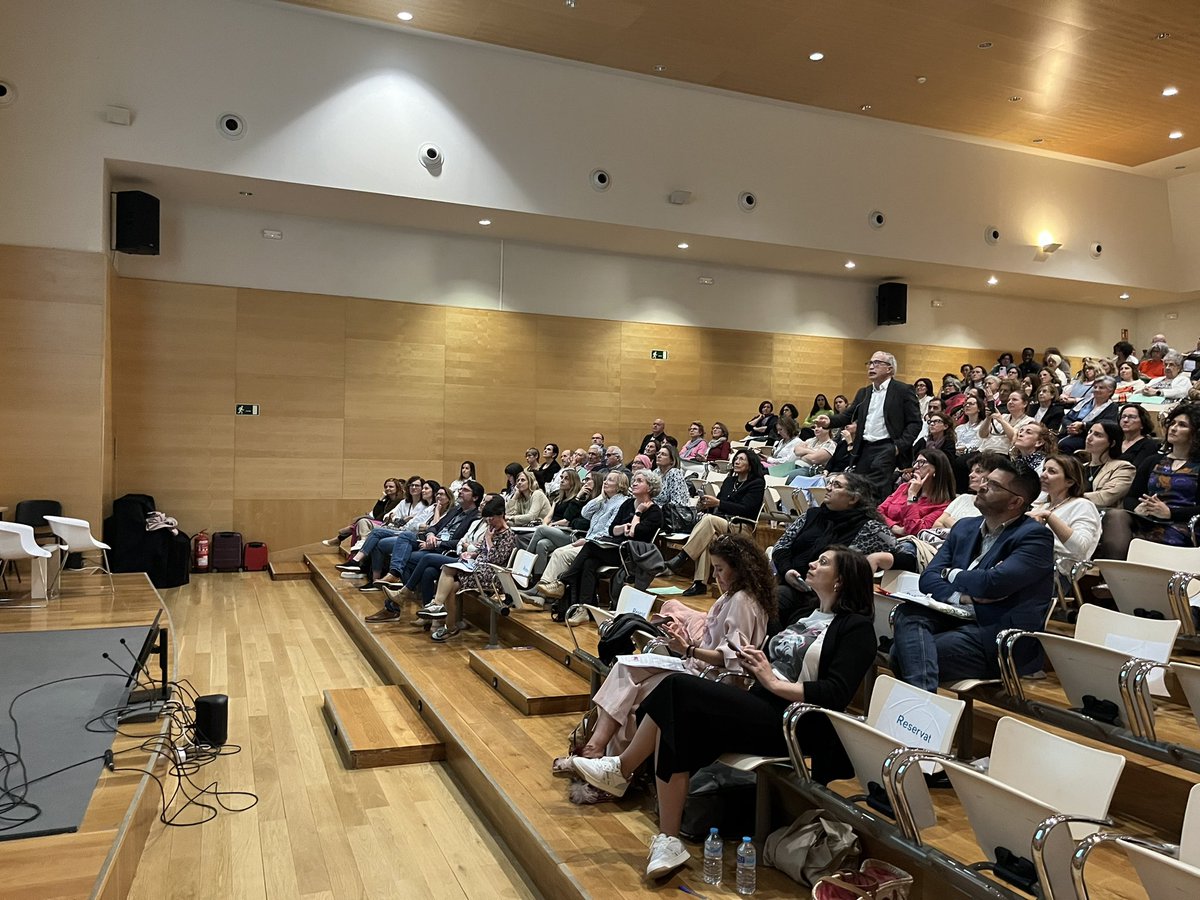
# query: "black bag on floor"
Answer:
x=719 y=797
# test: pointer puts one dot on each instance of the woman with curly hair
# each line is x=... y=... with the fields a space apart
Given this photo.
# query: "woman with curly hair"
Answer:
x=739 y=617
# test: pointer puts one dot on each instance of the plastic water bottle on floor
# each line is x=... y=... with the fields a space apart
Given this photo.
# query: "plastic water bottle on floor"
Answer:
x=714 y=857
x=747 y=867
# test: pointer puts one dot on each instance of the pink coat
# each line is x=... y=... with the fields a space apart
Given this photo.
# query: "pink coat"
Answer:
x=912 y=517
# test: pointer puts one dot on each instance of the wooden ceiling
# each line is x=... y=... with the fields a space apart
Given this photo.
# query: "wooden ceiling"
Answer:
x=1089 y=74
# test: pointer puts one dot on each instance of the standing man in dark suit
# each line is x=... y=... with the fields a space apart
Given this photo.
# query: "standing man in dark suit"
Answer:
x=889 y=419
x=1002 y=566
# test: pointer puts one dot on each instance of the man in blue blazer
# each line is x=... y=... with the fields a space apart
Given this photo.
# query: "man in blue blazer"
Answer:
x=1001 y=564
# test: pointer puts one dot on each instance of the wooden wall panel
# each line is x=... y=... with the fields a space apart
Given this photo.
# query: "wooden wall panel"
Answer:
x=353 y=391
x=174 y=359
x=52 y=318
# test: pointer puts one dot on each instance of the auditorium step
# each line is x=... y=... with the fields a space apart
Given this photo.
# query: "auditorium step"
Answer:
x=289 y=571
x=531 y=681
x=377 y=726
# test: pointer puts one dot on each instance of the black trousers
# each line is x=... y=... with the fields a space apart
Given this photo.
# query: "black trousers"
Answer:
x=877 y=463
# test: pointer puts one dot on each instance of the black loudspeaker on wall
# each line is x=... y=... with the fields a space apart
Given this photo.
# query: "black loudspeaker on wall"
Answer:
x=135 y=223
x=212 y=719
x=891 y=303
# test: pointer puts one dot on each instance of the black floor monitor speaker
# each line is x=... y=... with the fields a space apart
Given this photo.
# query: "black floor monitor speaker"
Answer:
x=135 y=223
x=212 y=719
x=891 y=303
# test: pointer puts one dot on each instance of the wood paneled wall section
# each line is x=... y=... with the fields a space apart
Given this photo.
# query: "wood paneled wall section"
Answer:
x=353 y=391
x=52 y=319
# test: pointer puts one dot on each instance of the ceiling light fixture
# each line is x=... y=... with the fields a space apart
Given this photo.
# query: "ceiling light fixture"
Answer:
x=683 y=245
x=1170 y=91
x=1045 y=246
x=245 y=193
x=984 y=45
x=816 y=56
x=404 y=16
x=921 y=79
x=993 y=280
x=1175 y=135
x=660 y=68
x=569 y=4
x=1014 y=99
x=1124 y=297
x=485 y=222
x=1162 y=35
x=866 y=107
x=850 y=264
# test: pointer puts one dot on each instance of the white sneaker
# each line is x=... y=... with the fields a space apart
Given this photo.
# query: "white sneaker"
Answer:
x=356 y=546
x=603 y=773
x=577 y=616
x=432 y=611
x=353 y=575
x=331 y=542
x=666 y=855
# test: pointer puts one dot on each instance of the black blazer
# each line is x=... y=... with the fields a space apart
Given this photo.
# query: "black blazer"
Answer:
x=1054 y=415
x=901 y=415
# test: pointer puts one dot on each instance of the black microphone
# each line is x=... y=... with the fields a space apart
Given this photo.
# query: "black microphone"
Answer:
x=117 y=665
x=136 y=664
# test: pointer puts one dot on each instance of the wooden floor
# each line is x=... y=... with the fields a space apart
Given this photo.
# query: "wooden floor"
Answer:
x=319 y=831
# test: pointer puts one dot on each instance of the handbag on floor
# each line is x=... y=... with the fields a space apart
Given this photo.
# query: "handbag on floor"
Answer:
x=811 y=847
x=874 y=880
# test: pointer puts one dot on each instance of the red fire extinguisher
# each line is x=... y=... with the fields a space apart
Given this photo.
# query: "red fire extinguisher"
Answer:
x=200 y=552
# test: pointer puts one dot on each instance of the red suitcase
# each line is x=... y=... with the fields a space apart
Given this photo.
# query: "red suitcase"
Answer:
x=256 y=556
x=225 y=555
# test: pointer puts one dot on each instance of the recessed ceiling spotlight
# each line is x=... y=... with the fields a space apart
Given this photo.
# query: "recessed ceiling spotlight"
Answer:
x=1014 y=99
x=1175 y=135
x=816 y=56
x=569 y=4
x=1170 y=91
x=660 y=68
x=984 y=45
x=1124 y=297
x=404 y=16
x=866 y=107
x=993 y=280
x=245 y=193
x=1162 y=35
x=682 y=245
x=850 y=264
x=921 y=79
x=485 y=222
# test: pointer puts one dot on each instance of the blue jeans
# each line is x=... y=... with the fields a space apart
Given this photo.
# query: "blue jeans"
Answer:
x=372 y=551
x=424 y=576
x=929 y=647
x=402 y=548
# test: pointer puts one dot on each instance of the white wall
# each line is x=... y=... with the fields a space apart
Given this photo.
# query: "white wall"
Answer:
x=211 y=245
x=343 y=104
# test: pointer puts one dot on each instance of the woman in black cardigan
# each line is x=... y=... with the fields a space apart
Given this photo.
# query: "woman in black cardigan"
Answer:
x=741 y=496
x=688 y=722
x=638 y=519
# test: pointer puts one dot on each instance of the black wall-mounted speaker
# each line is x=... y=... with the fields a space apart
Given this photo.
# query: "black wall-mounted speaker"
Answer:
x=891 y=303
x=135 y=223
x=212 y=719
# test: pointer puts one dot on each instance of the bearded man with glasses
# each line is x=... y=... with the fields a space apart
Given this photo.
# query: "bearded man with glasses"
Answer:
x=1001 y=567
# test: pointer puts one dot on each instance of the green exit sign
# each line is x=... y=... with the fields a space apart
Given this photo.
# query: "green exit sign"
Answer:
x=658 y=354
x=245 y=409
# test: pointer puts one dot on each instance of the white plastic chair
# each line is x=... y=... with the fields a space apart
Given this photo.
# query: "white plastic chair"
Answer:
x=1155 y=578
x=1167 y=872
x=793 y=501
x=1032 y=776
x=931 y=719
x=17 y=542
x=75 y=536
x=1097 y=660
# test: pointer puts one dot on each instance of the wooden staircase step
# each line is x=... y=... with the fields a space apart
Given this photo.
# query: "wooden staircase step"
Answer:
x=532 y=682
x=289 y=571
x=377 y=726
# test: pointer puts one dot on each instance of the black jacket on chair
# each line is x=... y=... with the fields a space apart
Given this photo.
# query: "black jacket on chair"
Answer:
x=901 y=414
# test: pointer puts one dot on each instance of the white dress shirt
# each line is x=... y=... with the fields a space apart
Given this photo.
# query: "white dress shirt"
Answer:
x=875 y=427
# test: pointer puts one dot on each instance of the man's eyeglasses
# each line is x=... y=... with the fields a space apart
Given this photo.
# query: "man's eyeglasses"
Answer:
x=992 y=485
x=878 y=362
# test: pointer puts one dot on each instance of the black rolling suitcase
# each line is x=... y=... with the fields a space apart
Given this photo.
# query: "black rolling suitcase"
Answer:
x=225 y=555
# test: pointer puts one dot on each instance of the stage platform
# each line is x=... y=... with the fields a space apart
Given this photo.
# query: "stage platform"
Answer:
x=98 y=860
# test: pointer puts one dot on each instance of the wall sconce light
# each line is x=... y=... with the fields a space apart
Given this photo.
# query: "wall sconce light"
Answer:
x=1045 y=246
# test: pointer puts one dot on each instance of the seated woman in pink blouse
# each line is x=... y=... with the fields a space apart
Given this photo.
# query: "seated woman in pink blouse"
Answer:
x=739 y=617
x=918 y=503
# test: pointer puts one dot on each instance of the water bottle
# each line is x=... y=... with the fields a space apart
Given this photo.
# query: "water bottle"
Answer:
x=747 y=871
x=714 y=857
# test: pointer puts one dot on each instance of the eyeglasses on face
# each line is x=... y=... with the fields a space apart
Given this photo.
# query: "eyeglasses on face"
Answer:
x=990 y=484
x=920 y=462
x=878 y=362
